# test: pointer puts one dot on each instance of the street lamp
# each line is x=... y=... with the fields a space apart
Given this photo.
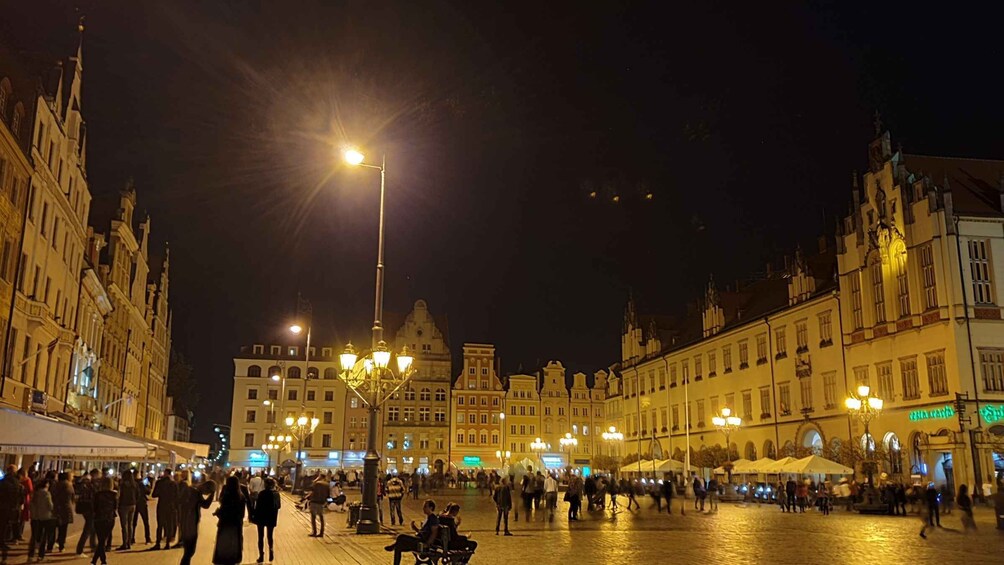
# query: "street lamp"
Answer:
x=614 y=438
x=297 y=329
x=275 y=443
x=374 y=381
x=866 y=406
x=568 y=442
x=502 y=436
x=300 y=428
x=538 y=447
x=503 y=457
x=727 y=423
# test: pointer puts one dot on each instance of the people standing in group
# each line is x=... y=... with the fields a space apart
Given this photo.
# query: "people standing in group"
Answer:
x=965 y=503
x=550 y=496
x=503 y=505
x=264 y=515
x=62 y=508
x=234 y=502
x=191 y=502
x=165 y=490
x=318 y=498
x=426 y=534
x=128 y=497
x=395 y=493
x=106 y=504
x=802 y=495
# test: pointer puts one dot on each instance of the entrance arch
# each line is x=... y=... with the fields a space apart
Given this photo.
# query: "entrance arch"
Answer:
x=813 y=440
x=750 y=451
x=894 y=453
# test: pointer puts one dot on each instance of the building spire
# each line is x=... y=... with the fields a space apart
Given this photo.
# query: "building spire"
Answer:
x=877 y=122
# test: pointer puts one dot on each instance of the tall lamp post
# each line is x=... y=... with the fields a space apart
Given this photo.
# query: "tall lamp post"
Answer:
x=275 y=443
x=538 y=447
x=727 y=423
x=568 y=443
x=373 y=380
x=297 y=329
x=300 y=428
x=866 y=406
x=501 y=448
x=503 y=457
x=614 y=439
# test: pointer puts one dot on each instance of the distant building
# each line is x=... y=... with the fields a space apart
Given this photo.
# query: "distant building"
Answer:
x=476 y=401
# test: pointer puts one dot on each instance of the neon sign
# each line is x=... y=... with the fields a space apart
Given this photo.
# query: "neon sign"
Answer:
x=472 y=460
x=933 y=414
x=992 y=413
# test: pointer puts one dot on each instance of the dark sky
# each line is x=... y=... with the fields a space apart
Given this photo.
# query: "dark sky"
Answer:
x=744 y=121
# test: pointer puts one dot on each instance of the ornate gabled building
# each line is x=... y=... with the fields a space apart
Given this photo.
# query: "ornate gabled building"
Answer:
x=476 y=401
x=920 y=284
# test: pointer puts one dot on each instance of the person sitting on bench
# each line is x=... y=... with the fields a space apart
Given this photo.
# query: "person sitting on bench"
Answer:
x=450 y=519
x=427 y=534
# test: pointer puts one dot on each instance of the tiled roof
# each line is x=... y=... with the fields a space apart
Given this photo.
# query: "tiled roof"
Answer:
x=975 y=183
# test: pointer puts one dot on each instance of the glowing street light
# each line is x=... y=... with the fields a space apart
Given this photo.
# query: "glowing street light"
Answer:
x=353 y=157
x=866 y=406
x=727 y=423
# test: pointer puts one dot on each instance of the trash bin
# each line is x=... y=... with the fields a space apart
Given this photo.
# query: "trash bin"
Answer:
x=354 y=513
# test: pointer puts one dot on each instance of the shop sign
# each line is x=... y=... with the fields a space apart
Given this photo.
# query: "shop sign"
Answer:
x=934 y=414
x=992 y=413
x=472 y=460
x=257 y=456
x=552 y=461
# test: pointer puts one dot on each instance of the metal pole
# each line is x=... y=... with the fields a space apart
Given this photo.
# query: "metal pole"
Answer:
x=368 y=520
x=686 y=454
x=303 y=412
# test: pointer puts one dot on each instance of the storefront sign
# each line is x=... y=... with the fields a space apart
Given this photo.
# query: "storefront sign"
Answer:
x=992 y=413
x=552 y=461
x=472 y=460
x=257 y=456
x=934 y=414
x=333 y=455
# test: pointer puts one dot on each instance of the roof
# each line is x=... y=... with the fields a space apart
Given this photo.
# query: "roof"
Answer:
x=976 y=184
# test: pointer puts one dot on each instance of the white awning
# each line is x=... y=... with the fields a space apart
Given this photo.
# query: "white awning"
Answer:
x=30 y=434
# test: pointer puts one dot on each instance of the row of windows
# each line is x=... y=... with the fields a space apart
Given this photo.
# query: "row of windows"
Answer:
x=472 y=401
x=407 y=414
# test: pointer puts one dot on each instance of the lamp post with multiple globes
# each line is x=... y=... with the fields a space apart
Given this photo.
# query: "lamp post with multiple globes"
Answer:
x=727 y=423
x=538 y=447
x=568 y=443
x=614 y=439
x=276 y=444
x=866 y=406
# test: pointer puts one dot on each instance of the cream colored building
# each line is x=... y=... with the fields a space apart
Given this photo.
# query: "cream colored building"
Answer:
x=921 y=280
x=416 y=425
x=522 y=424
x=322 y=395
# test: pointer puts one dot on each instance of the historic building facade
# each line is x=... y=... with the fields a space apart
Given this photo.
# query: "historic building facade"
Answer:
x=521 y=425
x=476 y=401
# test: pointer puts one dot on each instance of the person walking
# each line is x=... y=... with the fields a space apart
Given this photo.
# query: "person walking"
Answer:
x=526 y=493
x=42 y=519
x=965 y=503
x=699 y=493
x=550 y=496
x=165 y=490
x=62 y=506
x=713 y=495
x=106 y=504
x=933 y=512
x=629 y=489
x=823 y=497
x=264 y=515
x=128 y=497
x=318 y=498
x=229 y=548
x=503 y=505
x=85 y=507
x=256 y=485
x=10 y=505
x=191 y=501
x=667 y=493
x=573 y=495
x=395 y=493
x=142 y=511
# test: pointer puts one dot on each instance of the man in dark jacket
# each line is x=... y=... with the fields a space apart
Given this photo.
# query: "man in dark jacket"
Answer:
x=10 y=504
x=789 y=491
x=128 y=498
x=85 y=507
x=191 y=501
x=141 y=510
x=106 y=504
x=166 y=493
x=667 y=493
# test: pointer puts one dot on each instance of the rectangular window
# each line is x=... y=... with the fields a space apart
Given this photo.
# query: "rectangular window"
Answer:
x=328 y=417
x=825 y=329
x=857 y=315
x=765 y=402
x=902 y=286
x=802 y=336
x=676 y=417
x=784 y=398
x=310 y=395
x=672 y=375
x=484 y=418
x=748 y=405
x=697 y=368
x=780 y=343
x=861 y=376
x=830 y=390
x=992 y=365
x=270 y=417
x=878 y=292
x=911 y=382
x=248 y=440
x=744 y=354
x=806 y=389
x=326 y=440
x=393 y=414
x=651 y=381
x=329 y=396
x=937 y=379
x=460 y=438
x=423 y=414
x=714 y=406
x=440 y=415
x=662 y=378
x=979 y=269
x=354 y=402
x=927 y=268
x=251 y=416
x=472 y=418
x=712 y=364
x=727 y=358
x=700 y=413
x=886 y=389
x=273 y=394
x=291 y=394
x=761 y=349
x=252 y=394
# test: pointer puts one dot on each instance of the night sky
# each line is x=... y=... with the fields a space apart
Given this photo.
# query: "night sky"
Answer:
x=743 y=121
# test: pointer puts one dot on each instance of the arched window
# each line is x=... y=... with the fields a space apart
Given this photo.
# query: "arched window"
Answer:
x=5 y=90
x=813 y=441
x=274 y=371
x=313 y=373
x=750 y=452
x=895 y=452
x=868 y=444
x=769 y=450
x=15 y=121
x=254 y=371
x=440 y=394
x=330 y=374
x=425 y=395
x=293 y=372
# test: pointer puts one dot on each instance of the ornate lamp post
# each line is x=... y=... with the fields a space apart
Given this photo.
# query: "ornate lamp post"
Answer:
x=538 y=448
x=569 y=443
x=727 y=423
x=276 y=444
x=300 y=428
x=866 y=406
x=297 y=329
x=373 y=381
x=503 y=457
x=614 y=439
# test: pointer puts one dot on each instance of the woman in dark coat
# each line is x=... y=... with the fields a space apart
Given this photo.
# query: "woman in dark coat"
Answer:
x=230 y=528
x=264 y=515
x=62 y=502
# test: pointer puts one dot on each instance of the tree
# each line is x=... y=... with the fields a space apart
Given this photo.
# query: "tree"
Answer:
x=181 y=385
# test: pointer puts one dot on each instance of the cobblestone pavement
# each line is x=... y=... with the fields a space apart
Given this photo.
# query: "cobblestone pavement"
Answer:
x=734 y=535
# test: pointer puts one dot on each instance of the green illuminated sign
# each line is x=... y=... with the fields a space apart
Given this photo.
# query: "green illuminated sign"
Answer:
x=934 y=414
x=992 y=414
x=472 y=460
